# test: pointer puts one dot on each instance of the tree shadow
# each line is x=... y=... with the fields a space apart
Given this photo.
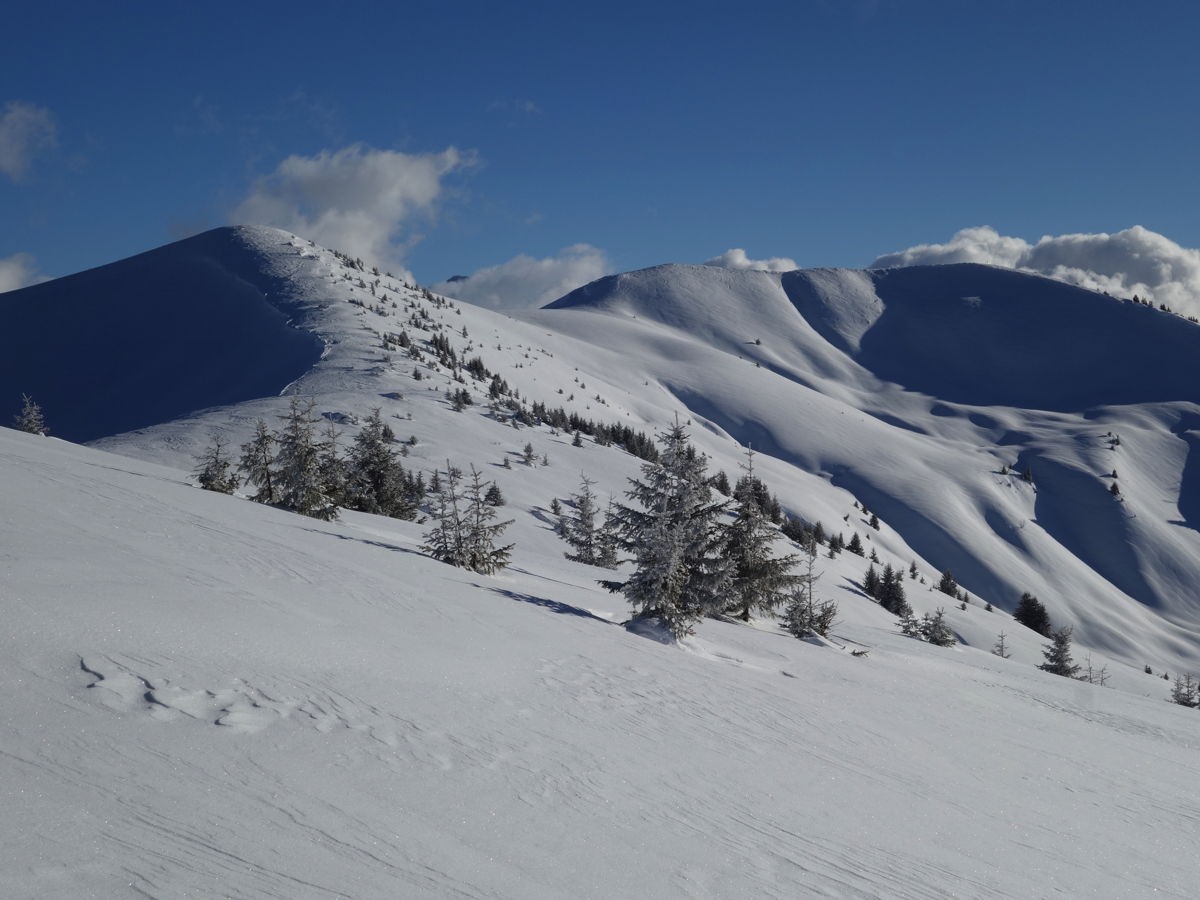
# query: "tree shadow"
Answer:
x=564 y=609
x=381 y=544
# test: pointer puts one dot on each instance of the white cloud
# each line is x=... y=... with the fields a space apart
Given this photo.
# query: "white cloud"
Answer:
x=17 y=272
x=736 y=258
x=524 y=282
x=24 y=130
x=1133 y=261
x=359 y=200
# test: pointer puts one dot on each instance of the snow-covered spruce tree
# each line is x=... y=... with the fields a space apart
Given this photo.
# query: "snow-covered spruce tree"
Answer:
x=1058 y=654
x=298 y=465
x=579 y=528
x=376 y=482
x=445 y=541
x=1185 y=691
x=484 y=555
x=464 y=534
x=935 y=630
x=673 y=532
x=761 y=582
x=258 y=462
x=214 y=468
x=30 y=418
x=803 y=615
x=333 y=469
x=608 y=540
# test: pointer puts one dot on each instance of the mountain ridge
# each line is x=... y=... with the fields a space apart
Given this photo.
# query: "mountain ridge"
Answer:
x=801 y=378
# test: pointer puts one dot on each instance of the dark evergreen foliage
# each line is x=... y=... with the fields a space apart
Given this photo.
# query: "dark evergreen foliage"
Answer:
x=760 y=581
x=1032 y=614
x=948 y=585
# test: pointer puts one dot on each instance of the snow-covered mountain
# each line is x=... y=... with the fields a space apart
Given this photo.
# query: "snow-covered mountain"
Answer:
x=497 y=735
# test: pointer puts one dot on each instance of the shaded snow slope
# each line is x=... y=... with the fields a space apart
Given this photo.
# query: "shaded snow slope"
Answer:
x=207 y=697
x=197 y=323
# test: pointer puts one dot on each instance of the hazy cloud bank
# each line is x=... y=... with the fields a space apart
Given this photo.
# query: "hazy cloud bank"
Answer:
x=524 y=282
x=17 y=272
x=359 y=200
x=25 y=130
x=1133 y=261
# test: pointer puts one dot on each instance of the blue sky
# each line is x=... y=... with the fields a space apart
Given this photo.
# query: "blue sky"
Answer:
x=827 y=133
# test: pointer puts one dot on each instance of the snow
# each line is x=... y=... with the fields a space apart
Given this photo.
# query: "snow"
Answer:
x=213 y=698
x=209 y=697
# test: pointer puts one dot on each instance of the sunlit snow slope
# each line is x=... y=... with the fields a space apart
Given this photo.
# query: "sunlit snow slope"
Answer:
x=208 y=697
x=925 y=391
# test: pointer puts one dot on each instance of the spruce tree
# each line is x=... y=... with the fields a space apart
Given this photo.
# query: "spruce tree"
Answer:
x=673 y=532
x=855 y=546
x=891 y=591
x=376 y=481
x=936 y=631
x=332 y=469
x=578 y=526
x=1032 y=614
x=948 y=585
x=30 y=418
x=258 y=462
x=1058 y=654
x=483 y=554
x=607 y=539
x=1185 y=691
x=804 y=616
x=445 y=541
x=760 y=580
x=871 y=582
x=214 y=470
x=301 y=485
x=1001 y=646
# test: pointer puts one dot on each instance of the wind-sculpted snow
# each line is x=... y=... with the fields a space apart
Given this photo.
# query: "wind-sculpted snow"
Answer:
x=199 y=323
x=208 y=697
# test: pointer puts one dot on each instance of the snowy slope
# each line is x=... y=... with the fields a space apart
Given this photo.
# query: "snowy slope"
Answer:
x=908 y=390
x=916 y=388
x=212 y=698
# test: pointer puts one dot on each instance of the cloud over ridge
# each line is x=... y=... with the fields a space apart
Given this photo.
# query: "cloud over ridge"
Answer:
x=736 y=258
x=358 y=199
x=525 y=282
x=1134 y=261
